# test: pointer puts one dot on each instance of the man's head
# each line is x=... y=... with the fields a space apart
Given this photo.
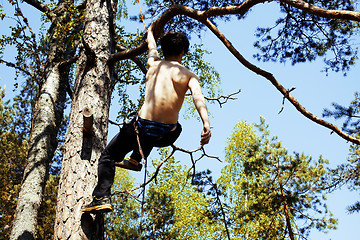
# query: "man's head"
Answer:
x=173 y=43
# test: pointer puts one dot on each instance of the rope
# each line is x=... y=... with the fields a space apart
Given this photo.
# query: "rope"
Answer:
x=142 y=16
x=145 y=174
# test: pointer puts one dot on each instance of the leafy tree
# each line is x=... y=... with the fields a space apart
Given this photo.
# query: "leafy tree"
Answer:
x=174 y=208
x=42 y=63
x=262 y=193
x=13 y=154
x=13 y=148
x=351 y=114
x=348 y=172
x=352 y=173
x=122 y=223
x=276 y=194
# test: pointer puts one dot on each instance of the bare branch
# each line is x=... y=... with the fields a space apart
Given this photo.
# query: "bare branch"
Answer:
x=218 y=201
x=13 y=65
x=223 y=99
x=278 y=86
x=157 y=170
x=38 y=5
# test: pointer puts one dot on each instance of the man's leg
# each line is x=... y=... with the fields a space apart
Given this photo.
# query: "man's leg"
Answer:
x=134 y=163
x=116 y=150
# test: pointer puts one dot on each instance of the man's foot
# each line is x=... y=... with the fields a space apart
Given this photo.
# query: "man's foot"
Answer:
x=130 y=164
x=98 y=205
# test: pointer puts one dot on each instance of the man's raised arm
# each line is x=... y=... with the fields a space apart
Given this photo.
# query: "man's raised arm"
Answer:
x=153 y=53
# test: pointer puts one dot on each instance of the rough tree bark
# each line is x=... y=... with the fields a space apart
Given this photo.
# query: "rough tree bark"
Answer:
x=48 y=113
x=42 y=147
x=92 y=91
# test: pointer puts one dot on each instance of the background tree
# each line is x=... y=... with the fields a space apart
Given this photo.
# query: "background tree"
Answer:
x=123 y=222
x=173 y=208
x=348 y=172
x=276 y=194
x=46 y=81
x=14 y=146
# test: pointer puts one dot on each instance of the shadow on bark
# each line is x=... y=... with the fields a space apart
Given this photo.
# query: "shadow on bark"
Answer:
x=86 y=148
x=93 y=226
x=26 y=236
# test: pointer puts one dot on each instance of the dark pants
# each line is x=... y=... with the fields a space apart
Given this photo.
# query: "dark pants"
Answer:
x=124 y=142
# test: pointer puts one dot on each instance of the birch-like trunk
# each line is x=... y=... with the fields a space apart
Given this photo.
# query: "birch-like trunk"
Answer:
x=42 y=145
x=92 y=90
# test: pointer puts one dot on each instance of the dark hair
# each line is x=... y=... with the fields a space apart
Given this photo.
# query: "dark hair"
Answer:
x=172 y=43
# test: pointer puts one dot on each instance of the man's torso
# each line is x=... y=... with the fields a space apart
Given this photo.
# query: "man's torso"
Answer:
x=166 y=85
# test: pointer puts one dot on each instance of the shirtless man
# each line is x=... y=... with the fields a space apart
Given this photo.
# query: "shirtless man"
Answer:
x=156 y=124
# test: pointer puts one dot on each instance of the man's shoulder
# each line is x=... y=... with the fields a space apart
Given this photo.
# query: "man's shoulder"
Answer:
x=184 y=69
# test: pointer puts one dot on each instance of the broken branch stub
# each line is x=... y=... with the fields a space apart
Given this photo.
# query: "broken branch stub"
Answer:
x=88 y=120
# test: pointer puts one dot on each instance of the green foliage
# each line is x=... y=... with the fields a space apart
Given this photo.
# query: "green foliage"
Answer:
x=262 y=179
x=13 y=151
x=209 y=78
x=129 y=81
x=47 y=213
x=13 y=154
x=122 y=223
x=352 y=173
x=260 y=187
x=347 y=173
x=175 y=208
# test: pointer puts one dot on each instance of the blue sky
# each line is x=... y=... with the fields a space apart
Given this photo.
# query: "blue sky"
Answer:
x=314 y=90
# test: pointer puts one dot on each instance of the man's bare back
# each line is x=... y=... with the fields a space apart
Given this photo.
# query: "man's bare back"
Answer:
x=166 y=85
x=167 y=82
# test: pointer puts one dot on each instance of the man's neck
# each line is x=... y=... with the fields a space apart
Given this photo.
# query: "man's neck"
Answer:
x=176 y=58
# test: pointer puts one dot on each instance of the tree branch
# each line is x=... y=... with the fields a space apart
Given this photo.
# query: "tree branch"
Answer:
x=278 y=86
x=38 y=5
x=321 y=12
x=13 y=65
x=134 y=59
x=174 y=149
x=223 y=99
x=202 y=16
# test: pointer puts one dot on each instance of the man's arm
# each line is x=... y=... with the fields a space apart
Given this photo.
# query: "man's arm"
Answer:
x=200 y=105
x=153 y=53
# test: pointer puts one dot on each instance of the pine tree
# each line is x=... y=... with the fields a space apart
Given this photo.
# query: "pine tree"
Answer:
x=276 y=194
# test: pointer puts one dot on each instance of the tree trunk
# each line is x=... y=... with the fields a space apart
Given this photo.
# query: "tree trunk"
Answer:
x=286 y=212
x=46 y=120
x=42 y=145
x=92 y=91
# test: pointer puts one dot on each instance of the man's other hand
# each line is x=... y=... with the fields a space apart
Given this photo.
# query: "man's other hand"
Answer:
x=205 y=135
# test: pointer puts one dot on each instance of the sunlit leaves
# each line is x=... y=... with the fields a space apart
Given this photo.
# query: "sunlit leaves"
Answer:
x=262 y=179
x=122 y=223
